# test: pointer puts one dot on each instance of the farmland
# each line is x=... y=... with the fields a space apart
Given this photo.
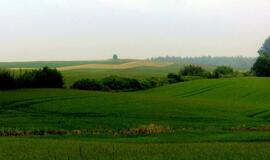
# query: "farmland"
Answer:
x=201 y=119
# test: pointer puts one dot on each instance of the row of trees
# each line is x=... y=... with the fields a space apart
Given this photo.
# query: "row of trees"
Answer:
x=235 y=62
x=116 y=83
x=193 y=71
x=42 y=78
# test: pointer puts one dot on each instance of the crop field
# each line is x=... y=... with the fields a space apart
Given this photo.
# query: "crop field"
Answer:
x=212 y=118
x=76 y=70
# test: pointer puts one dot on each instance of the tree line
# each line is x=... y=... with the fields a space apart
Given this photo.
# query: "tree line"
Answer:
x=41 y=78
x=235 y=62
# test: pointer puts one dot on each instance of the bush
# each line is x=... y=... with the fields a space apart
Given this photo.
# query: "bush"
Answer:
x=47 y=77
x=88 y=84
x=261 y=68
x=108 y=83
x=7 y=80
x=119 y=83
x=153 y=82
x=174 y=78
x=223 y=71
x=43 y=78
x=193 y=70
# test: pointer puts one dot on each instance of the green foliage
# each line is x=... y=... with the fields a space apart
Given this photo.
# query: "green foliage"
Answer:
x=7 y=80
x=261 y=68
x=174 y=78
x=223 y=71
x=115 y=57
x=88 y=84
x=111 y=83
x=42 y=78
x=120 y=83
x=235 y=62
x=192 y=70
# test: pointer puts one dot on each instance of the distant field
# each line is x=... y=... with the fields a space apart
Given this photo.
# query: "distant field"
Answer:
x=76 y=70
x=54 y=64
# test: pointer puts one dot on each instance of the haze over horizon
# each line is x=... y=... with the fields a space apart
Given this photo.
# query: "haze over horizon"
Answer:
x=33 y=30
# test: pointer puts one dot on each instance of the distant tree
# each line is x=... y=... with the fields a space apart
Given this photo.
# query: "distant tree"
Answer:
x=223 y=71
x=261 y=68
x=115 y=57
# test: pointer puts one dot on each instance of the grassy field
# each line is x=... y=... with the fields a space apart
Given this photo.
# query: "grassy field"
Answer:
x=200 y=119
x=51 y=149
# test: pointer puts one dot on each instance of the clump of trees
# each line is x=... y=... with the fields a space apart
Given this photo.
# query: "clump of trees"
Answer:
x=42 y=78
x=6 y=79
x=193 y=70
x=223 y=71
x=197 y=72
x=116 y=83
x=261 y=67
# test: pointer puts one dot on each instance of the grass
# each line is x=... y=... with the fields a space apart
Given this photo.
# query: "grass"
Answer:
x=201 y=104
x=200 y=119
x=32 y=149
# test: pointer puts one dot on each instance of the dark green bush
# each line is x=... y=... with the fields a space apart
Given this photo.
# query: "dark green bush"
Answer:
x=43 y=78
x=174 y=78
x=48 y=78
x=120 y=83
x=223 y=71
x=193 y=70
x=153 y=82
x=108 y=83
x=88 y=84
x=7 y=80
x=261 y=68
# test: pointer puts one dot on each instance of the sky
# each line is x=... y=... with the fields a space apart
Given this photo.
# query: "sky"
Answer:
x=33 y=30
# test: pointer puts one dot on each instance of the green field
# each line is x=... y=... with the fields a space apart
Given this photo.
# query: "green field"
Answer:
x=201 y=119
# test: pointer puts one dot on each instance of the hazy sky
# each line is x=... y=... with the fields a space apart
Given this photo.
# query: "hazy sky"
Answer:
x=96 y=29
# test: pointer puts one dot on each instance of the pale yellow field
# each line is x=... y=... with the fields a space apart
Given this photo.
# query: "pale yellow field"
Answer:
x=128 y=65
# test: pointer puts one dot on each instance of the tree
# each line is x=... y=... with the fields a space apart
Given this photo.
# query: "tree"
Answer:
x=265 y=49
x=115 y=57
x=261 y=68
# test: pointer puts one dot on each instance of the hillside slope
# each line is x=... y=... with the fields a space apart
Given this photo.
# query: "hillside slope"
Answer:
x=202 y=105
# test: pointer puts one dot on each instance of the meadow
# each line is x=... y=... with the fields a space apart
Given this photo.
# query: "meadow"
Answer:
x=201 y=119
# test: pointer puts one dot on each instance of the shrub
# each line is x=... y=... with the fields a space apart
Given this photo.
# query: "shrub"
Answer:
x=47 y=77
x=174 y=78
x=88 y=84
x=108 y=83
x=261 y=68
x=7 y=80
x=223 y=71
x=43 y=78
x=153 y=82
x=119 y=83
x=193 y=70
